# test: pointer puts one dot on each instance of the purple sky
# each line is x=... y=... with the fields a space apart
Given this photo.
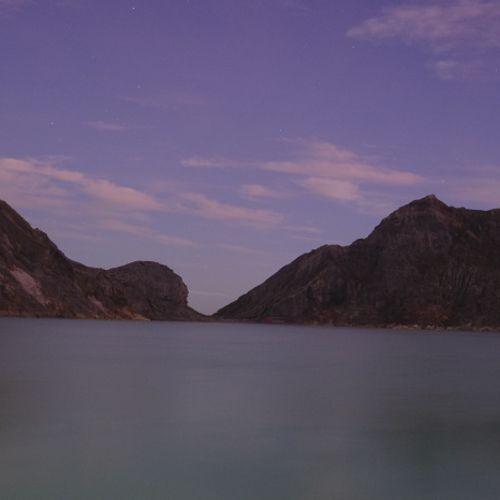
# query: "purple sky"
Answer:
x=226 y=137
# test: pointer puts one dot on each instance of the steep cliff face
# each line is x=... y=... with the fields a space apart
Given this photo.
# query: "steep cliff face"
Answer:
x=425 y=264
x=37 y=279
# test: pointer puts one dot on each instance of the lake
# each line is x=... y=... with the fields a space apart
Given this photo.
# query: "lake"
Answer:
x=142 y=410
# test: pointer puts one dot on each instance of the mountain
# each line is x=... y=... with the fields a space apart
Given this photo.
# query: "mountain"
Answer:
x=37 y=279
x=426 y=264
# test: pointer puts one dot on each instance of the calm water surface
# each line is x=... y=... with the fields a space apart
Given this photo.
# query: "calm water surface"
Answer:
x=126 y=410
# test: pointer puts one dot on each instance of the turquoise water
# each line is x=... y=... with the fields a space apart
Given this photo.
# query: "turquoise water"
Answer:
x=132 y=410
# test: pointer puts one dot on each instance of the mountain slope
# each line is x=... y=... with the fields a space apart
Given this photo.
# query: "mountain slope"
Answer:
x=37 y=279
x=425 y=264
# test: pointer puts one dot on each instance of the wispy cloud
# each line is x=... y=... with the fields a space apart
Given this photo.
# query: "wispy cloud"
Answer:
x=121 y=226
x=202 y=162
x=303 y=229
x=30 y=182
x=203 y=206
x=460 y=30
x=304 y=233
x=325 y=169
x=318 y=159
x=108 y=126
x=122 y=196
x=7 y=5
x=332 y=188
x=256 y=191
x=449 y=69
x=441 y=25
x=484 y=190
x=243 y=249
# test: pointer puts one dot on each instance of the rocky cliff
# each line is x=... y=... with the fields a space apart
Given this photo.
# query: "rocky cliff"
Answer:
x=37 y=279
x=425 y=264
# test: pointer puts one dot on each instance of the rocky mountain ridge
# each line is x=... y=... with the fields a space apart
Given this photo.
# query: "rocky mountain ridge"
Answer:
x=426 y=264
x=37 y=279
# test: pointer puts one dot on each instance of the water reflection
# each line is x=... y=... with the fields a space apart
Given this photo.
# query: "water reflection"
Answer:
x=186 y=411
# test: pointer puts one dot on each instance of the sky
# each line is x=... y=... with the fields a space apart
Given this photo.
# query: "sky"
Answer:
x=224 y=138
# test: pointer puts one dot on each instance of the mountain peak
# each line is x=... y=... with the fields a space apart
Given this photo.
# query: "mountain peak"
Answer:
x=423 y=215
x=431 y=200
x=37 y=279
x=425 y=264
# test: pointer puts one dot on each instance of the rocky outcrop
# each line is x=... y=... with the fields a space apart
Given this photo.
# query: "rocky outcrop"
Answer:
x=37 y=279
x=427 y=264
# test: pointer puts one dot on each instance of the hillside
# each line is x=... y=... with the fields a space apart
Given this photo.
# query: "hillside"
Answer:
x=426 y=264
x=37 y=279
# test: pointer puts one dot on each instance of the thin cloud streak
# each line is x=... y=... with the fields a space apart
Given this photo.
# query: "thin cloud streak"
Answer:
x=201 y=162
x=120 y=226
x=327 y=160
x=6 y=5
x=480 y=190
x=304 y=229
x=32 y=179
x=462 y=30
x=326 y=170
x=319 y=159
x=30 y=183
x=33 y=184
x=441 y=26
x=256 y=191
x=122 y=196
x=203 y=206
x=242 y=249
x=332 y=188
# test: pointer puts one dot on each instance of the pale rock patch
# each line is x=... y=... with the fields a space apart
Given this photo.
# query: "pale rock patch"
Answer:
x=29 y=284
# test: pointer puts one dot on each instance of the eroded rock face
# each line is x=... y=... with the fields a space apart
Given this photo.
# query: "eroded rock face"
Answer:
x=37 y=279
x=426 y=264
